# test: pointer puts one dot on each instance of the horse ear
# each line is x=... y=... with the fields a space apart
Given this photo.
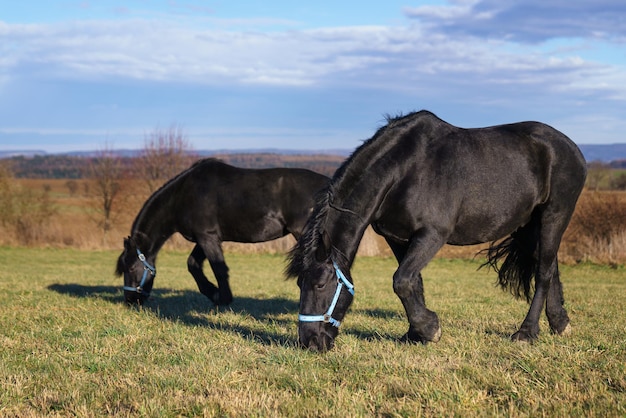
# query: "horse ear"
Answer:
x=129 y=244
x=119 y=268
x=323 y=249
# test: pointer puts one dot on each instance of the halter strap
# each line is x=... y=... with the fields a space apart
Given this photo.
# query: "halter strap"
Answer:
x=328 y=316
x=147 y=267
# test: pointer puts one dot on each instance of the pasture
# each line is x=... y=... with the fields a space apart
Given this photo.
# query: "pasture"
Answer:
x=70 y=347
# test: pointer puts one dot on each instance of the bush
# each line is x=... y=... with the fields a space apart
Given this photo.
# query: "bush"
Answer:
x=618 y=182
x=597 y=231
x=23 y=211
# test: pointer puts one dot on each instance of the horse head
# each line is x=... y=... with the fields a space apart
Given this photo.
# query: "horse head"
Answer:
x=138 y=270
x=325 y=296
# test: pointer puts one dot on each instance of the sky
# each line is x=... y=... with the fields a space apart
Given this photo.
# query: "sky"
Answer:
x=80 y=75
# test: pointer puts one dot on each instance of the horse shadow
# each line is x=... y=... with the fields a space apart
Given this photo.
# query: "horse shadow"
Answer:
x=190 y=308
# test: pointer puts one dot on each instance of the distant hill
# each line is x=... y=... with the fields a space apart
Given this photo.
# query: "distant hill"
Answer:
x=21 y=153
x=605 y=153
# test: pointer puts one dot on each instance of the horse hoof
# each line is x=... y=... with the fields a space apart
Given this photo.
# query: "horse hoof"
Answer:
x=225 y=301
x=566 y=331
x=408 y=339
x=218 y=301
x=437 y=336
x=416 y=338
x=522 y=337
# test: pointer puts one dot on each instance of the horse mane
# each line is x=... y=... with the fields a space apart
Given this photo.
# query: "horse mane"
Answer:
x=302 y=255
x=373 y=144
x=157 y=193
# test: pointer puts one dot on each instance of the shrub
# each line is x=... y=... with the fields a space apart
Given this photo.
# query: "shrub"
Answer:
x=597 y=231
x=23 y=211
x=618 y=182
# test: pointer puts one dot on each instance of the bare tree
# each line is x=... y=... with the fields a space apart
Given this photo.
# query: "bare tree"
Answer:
x=106 y=174
x=165 y=154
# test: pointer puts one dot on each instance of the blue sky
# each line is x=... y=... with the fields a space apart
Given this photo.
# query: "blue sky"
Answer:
x=84 y=75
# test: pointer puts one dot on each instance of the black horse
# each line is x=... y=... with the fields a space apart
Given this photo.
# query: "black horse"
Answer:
x=421 y=182
x=209 y=203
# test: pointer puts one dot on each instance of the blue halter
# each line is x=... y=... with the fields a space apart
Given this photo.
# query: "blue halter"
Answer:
x=328 y=316
x=147 y=268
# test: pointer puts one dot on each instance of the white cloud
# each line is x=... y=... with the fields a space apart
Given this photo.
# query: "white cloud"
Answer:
x=390 y=58
x=449 y=54
x=527 y=21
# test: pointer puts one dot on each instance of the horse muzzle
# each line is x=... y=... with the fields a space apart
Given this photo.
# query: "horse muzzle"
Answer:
x=316 y=337
x=134 y=297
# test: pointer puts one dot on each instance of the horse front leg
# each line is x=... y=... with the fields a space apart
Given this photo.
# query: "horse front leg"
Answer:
x=408 y=286
x=220 y=269
x=194 y=265
x=212 y=248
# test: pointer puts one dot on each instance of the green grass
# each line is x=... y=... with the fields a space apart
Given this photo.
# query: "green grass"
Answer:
x=69 y=346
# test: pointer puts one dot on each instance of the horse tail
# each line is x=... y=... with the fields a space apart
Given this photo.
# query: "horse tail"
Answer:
x=519 y=252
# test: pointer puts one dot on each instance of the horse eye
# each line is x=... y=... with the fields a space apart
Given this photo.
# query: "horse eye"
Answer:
x=320 y=286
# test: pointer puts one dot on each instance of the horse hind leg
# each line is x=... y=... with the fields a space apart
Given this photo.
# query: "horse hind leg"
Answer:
x=556 y=313
x=548 y=288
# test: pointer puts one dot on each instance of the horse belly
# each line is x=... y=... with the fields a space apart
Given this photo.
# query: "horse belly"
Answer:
x=486 y=226
x=261 y=229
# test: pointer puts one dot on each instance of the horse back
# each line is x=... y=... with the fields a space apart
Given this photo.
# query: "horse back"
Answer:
x=479 y=184
x=245 y=205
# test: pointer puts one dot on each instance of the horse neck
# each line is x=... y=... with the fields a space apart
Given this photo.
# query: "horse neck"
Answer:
x=346 y=231
x=154 y=224
x=349 y=218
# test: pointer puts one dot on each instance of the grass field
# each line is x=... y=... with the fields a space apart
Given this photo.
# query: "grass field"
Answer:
x=69 y=347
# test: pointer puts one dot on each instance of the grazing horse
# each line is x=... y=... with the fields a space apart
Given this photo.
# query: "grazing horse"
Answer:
x=209 y=203
x=421 y=182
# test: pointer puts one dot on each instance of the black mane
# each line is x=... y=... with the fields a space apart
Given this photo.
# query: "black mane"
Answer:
x=302 y=254
x=375 y=147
